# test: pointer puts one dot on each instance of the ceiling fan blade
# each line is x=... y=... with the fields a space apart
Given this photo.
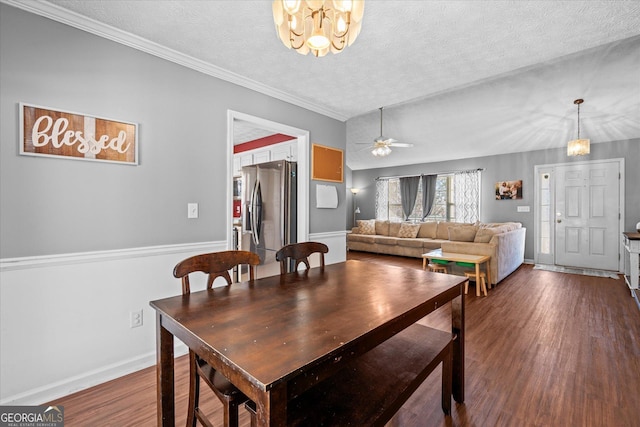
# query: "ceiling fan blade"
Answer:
x=363 y=143
x=401 y=144
x=370 y=147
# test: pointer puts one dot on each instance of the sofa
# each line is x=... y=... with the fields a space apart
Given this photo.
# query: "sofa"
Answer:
x=504 y=242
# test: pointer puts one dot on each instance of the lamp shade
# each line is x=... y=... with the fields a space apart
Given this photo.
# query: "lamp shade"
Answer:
x=578 y=147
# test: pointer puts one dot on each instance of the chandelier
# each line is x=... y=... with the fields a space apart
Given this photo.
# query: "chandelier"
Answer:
x=578 y=147
x=318 y=26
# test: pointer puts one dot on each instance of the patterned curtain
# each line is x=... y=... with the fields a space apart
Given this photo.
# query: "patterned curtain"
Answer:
x=467 y=196
x=408 y=194
x=382 y=199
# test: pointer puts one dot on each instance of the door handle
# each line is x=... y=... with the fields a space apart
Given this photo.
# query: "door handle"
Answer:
x=558 y=221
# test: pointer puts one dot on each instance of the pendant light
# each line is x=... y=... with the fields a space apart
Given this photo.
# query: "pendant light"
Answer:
x=578 y=147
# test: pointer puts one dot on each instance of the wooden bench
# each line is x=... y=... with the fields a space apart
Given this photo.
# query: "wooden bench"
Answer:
x=373 y=387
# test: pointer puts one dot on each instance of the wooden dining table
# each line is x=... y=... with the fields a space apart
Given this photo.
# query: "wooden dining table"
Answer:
x=278 y=336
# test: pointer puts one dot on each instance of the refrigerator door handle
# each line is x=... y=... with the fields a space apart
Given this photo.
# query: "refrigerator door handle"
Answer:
x=256 y=213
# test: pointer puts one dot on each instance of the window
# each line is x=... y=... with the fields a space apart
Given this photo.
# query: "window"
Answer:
x=448 y=205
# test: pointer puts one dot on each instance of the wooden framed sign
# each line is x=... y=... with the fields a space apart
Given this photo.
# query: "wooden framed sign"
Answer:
x=326 y=163
x=54 y=133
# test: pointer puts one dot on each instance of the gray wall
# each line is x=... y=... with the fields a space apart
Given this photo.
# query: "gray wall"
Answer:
x=52 y=206
x=512 y=167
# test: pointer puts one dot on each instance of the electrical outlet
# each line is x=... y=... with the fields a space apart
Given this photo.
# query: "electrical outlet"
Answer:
x=135 y=319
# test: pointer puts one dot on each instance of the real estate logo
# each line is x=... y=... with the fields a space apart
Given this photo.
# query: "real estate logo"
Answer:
x=32 y=416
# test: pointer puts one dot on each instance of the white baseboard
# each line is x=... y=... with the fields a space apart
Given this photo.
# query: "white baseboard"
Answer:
x=51 y=392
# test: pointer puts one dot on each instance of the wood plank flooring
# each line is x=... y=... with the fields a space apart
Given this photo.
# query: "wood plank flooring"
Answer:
x=543 y=349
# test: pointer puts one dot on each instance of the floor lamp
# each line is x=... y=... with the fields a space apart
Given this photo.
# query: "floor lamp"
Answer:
x=356 y=209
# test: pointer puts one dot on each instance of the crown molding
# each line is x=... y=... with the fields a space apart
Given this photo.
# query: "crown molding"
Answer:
x=81 y=22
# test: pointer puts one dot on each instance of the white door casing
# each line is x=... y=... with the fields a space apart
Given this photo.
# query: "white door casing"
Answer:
x=586 y=214
x=302 y=171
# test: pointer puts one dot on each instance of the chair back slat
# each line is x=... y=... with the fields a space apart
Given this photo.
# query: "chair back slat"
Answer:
x=214 y=264
x=299 y=253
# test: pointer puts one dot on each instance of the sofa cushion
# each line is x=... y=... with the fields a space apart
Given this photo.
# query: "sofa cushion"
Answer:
x=385 y=240
x=442 y=232
x=428 y=229
x=367 y=226
x=370 y=239
x=394 y=227
x=462 y=233
x=408 y=230
x=382 y=227
x=410 y=243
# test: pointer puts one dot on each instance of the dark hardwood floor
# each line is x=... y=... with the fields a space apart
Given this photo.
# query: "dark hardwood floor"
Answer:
x=543 y=349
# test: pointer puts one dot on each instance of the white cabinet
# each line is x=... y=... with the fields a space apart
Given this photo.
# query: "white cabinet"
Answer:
x=283 y=151
x=262 y=156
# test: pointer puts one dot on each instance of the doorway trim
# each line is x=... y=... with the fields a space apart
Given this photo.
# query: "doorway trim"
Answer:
x=551 y=168
x=302 y=172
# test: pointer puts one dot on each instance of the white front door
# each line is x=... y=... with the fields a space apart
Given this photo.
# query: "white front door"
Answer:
x=587 y=209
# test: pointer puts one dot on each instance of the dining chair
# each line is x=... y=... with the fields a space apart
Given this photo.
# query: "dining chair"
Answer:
x=215 y=264
x=299 y=252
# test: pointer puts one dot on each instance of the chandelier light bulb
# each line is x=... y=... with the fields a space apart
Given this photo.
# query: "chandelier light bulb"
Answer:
x=291 y=6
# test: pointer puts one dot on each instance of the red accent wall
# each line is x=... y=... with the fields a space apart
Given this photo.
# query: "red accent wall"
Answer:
x=261 y=142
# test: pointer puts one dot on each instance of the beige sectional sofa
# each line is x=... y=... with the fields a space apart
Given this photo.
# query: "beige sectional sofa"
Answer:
x=504 y=242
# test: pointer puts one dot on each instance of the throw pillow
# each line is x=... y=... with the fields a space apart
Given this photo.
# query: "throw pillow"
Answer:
x=428 y=230
x=462 y=233
x=367 y=226
x=409 y=230
x=484 y=235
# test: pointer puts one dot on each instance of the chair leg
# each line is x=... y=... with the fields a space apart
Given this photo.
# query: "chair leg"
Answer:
x=194 y=391
x=230 y=413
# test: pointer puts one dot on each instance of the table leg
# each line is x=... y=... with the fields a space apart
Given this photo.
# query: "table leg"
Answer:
x=164 y=375
x=457 y=328
x=477 y=279
x=488 y=268
x=424 y=263
x=271 y=407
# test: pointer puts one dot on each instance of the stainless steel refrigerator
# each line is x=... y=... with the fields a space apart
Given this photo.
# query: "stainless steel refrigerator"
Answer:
x=269 y=209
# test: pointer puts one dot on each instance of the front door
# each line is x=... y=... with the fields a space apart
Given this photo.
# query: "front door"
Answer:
x=587 y=215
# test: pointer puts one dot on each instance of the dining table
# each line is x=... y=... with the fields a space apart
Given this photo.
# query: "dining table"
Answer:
x=276 y=337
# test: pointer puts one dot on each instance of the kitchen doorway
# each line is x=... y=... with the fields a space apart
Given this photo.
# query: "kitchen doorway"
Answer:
x=579 y=213
x=233 y=117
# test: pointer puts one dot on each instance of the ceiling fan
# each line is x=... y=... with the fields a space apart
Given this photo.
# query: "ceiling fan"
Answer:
x=381 y=145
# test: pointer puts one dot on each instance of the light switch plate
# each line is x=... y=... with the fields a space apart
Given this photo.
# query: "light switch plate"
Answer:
x=524 y=209
x=192 y=210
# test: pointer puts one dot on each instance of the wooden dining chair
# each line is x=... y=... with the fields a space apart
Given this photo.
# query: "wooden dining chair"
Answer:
x=299 y=252
x=215 y=264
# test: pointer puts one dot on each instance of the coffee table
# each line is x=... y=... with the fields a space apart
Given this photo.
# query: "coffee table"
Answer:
x=451 y=256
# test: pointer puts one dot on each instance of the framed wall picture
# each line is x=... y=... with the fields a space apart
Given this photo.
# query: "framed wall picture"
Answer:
x=508 y=190
x=49 y=132
x=326 y=163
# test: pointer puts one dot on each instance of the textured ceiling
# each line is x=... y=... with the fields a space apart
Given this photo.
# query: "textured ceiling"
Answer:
x=476 y=73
